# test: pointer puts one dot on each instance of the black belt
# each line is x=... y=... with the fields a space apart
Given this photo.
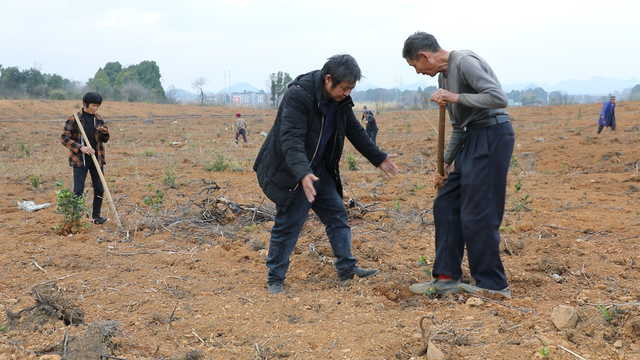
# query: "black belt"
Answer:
x=486 y=122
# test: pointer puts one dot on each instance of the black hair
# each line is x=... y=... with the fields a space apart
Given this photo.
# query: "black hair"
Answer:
x=342 y=67
x=92 y=97
x=420 y=41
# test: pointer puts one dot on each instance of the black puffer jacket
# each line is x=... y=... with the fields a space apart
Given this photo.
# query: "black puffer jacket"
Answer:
x=291 y=145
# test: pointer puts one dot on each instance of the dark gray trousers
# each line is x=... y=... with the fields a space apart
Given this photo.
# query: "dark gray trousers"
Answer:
x=469 y=208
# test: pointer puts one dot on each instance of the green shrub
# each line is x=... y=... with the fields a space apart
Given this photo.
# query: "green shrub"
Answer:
x=169 y=176
x=396 y=205
x=25 y=149
x=423 y=262
x=72 y=208
x=519 y=203
x=154 y=202
x=251 y=228
x=219 y=164
x=351 y=163
x=35 y=183
x=57 y=95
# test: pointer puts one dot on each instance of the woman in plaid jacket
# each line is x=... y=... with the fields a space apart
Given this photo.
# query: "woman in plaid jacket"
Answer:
x=80 y=153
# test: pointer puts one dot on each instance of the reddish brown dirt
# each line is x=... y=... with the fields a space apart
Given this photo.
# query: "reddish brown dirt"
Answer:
x=168 y=285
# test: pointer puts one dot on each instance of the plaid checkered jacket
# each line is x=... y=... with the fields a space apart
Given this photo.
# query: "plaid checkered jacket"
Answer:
x=72 y=139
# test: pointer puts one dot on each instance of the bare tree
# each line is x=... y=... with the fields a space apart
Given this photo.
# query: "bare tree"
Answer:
x=172 y=95
x=198 y=84
x=133 y=91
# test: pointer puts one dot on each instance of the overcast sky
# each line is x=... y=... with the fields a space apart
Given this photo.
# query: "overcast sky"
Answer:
x=542 y=41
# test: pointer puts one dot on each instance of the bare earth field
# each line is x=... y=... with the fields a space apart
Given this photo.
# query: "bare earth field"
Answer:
x=187 y=279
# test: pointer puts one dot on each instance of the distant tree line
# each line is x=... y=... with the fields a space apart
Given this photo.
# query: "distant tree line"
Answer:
x=32 y=83
x=539 y=97
x=409 y=99
x=135 y=83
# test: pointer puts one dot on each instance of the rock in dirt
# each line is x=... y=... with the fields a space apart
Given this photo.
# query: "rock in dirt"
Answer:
x=433 y=353
x=564 y=317
x=474 y=301
x=50 y=357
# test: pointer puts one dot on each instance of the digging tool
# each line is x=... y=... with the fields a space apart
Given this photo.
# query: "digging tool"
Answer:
x=97 y=164
x=440 y=163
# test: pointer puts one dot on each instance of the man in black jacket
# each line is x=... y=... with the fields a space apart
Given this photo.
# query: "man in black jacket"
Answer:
x=298 y=164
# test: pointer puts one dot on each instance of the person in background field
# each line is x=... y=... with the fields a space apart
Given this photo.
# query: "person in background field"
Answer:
x=365 y=112
x=372 y=128
x=298 y=165
x=608 y=115
x=241 y=128
x=469 y=208
x=80 y=153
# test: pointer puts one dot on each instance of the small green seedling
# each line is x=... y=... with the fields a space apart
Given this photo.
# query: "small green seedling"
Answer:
x=545 y=351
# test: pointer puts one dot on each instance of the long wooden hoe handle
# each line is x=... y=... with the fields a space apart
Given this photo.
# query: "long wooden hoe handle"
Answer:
x=97 y=164
x=440 y=164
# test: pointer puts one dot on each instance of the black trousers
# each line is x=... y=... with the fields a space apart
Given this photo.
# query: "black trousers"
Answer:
x=612 y=123
x=79 y=177
x=469 y=208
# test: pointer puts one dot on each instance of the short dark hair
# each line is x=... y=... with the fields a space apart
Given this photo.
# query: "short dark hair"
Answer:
x=92 y=97
x=342 y=67
x=420 y=41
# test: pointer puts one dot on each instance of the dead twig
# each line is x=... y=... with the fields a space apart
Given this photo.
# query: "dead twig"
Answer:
x=64 y=347
x=130 y=254
x=39 y=267
x=171 y=316
x=246 y=299
x=629 y=238
x=425 y=337
x=15 y=345
x=226 y=348
x=193 y=331
x=50 y=281
x=505 y=305
x=571 y=352
x=434 y=128
x=614 y=304
x=576 y=230
x=506 y=246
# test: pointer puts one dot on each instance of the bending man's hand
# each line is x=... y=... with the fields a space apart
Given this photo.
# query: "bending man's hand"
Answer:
x=388 y=166
x=438 y=179
x=307 y=186
x=442 y=97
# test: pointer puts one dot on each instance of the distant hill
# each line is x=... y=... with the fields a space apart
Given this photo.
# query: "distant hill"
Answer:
x=239 y=87
x=185 y=96
x=365 y=87
x=521 y=86
x=414 y=87
x=595 y=86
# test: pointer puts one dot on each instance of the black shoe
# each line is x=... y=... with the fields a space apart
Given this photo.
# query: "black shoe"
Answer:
x=99 y=220
x=276 y=288
x=362 y=273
